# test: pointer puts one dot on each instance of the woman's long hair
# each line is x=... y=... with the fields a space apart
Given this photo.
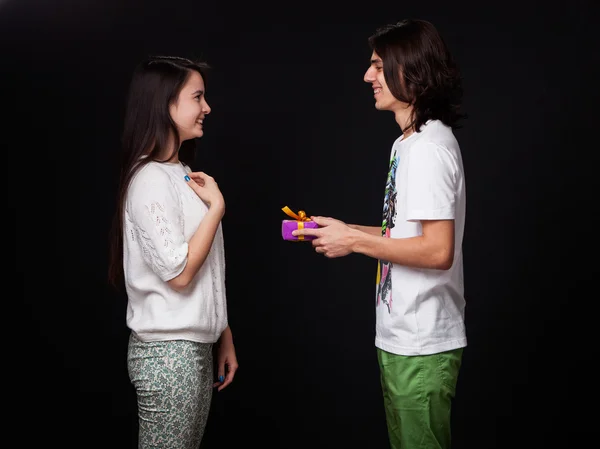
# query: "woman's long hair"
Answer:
x=148 y=129
x=419 y=70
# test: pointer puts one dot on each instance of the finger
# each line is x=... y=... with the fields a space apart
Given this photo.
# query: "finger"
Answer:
x=323 y=221
x=221 y=374
x=193 y=184
x=201 y=180
x=307 y=231
x=226 y=382
x=228 y=378
x=200 y=175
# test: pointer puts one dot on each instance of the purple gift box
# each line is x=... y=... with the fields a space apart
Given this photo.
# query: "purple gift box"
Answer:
x=287 y=226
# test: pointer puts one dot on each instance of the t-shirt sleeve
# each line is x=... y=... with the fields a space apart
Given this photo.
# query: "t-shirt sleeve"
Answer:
x=431 y=183
x=155 y=210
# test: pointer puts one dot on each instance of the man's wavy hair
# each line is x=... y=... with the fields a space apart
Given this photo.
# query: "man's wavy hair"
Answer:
x=419 y=70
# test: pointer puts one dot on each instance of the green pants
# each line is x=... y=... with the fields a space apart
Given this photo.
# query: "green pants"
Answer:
x=417 y=395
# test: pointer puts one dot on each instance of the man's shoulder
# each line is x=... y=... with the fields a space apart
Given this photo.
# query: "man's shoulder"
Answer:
x=436 y=136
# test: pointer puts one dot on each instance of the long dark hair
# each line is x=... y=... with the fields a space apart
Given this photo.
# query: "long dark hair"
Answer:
x=148 y=128
x=429 y=78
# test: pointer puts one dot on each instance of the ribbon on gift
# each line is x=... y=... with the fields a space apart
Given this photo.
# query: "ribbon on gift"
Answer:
x=300 y=217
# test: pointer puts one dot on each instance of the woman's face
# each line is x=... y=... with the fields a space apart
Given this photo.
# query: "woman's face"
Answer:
x=190 y=108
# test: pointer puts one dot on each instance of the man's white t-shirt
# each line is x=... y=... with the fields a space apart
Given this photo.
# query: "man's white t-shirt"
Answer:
x=162 y=213
x=421 y=311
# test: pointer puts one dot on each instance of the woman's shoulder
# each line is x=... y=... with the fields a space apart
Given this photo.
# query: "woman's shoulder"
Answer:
x=150 y=177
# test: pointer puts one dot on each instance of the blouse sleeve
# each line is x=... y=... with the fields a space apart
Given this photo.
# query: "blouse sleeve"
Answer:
x=156 y=214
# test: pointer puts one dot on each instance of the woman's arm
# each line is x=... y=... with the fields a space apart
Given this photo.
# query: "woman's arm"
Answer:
x=199 y=245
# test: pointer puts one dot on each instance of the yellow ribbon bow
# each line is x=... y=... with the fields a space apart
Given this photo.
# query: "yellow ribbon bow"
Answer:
x=300 y=217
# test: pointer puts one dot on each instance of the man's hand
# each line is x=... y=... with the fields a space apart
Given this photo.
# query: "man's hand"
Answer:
x=334 y=238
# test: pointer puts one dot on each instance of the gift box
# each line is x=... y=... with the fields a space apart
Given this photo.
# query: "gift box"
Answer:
x=300 y=221
x=287 y=226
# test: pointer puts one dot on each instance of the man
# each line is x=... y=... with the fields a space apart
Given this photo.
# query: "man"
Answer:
x=420 y=330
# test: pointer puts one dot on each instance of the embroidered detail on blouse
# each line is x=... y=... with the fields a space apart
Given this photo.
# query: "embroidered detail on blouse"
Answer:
x=164 y=228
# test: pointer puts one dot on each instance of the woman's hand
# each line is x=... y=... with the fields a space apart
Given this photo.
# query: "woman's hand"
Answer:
x=227 y=361
x=206 y=188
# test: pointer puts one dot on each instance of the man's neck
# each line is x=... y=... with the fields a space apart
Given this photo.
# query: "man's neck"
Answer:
x=404 y=120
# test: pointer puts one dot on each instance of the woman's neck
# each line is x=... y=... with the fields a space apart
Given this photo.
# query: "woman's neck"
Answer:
x=169 y=154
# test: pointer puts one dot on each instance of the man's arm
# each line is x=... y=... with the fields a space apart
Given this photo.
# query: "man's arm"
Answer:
x=372 y=230
x=433 y=249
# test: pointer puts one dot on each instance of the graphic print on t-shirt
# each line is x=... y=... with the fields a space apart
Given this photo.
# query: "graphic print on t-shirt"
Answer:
x=384 y=268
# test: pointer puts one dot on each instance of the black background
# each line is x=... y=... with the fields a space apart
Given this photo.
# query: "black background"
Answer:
x=293 y=124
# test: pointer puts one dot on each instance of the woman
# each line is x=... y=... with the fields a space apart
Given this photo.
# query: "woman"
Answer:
x=168 y=244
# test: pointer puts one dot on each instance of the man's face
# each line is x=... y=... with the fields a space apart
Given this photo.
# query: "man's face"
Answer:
x=384 y=100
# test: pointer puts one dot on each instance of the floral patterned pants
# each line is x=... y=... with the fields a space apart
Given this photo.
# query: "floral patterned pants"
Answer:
x=173 y=382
